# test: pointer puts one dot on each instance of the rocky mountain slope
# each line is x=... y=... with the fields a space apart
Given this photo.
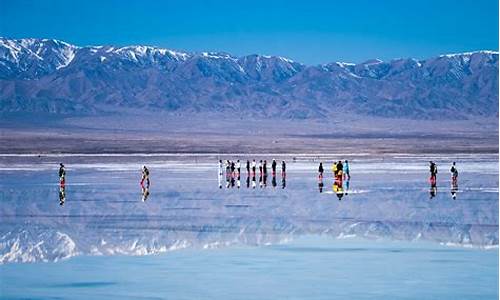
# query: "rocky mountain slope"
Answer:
x=41 y=75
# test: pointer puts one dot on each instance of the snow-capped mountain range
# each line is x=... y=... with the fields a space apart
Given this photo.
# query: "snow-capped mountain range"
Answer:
x=43 y=75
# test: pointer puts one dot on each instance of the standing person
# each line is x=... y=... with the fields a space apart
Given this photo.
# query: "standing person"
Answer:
x=340 y=168
x=254 y=165
x=334 y=169
x=62 y=175
x=260 y=167
x=346 y=170
x=264 y=167
x=433 y=170
x=320 y=170
x=454 y=174
x=248 y=167
x=145 y=176
x=221 y=170
x=232 y=168
x=283 y=169
x=238 y=167
x=228 y=168
x=273 y=166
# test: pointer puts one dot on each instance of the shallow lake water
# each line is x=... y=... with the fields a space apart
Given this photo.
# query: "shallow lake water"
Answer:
x=390 y=235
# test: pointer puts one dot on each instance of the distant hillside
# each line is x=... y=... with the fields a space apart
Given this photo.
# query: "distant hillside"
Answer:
x=40 y=75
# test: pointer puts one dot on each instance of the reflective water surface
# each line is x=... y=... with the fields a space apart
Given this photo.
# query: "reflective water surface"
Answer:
x=188 y=205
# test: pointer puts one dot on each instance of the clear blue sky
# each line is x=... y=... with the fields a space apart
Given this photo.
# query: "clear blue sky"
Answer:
x=311 y=32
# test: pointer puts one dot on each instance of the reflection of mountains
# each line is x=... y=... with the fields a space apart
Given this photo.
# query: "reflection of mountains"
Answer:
x=154 y=236
x=108 y=220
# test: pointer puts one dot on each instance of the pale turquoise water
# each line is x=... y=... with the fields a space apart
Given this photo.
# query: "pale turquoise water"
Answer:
x=309 y=268
x=386 y=239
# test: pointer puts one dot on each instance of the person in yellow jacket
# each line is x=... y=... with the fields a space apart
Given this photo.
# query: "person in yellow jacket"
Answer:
x=334 y=169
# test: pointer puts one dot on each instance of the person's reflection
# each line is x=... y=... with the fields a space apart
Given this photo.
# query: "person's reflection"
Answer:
x=260 y=180
x=254 y=184
x=145 y=193
x=320 y=184
x=232 y=181
x=238 y=181
x=228 y=180
x=454 y=190
x=283 y=181
x=346 y=185
x=220 y=180
x=337 y=188
x=433 y=190
x=265 y=179
x=273 y=182
x=248 y=181
x=62 y=194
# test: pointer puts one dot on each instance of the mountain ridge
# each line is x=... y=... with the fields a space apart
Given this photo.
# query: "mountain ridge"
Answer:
x=46 y=75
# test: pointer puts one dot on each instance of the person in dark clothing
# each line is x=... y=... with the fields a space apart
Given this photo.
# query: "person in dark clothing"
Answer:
x=248 y=167
x=253 y=167
x=238 y=167
x=454 y=174
x=340 y=168
x=264 y=167
x=232 y=168
x=283 y=168
x=62 y=174
x=320 y=170
x=145 y=176
x=433 y=170
x=260 y=167
x=273 y=166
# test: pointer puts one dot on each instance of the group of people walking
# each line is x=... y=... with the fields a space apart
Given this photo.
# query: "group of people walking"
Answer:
x=233 y=173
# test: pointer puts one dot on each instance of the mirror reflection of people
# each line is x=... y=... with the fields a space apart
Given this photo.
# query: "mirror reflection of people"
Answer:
x=320 y=184
x=454 y=191
x=254 y=184
x=145 y=193
x=238 y=181
x=62 y=194
x=433 y=190
x=219 y=179
x=283 y=182
x=337 y=188
x=346 y=185
x=273 y=182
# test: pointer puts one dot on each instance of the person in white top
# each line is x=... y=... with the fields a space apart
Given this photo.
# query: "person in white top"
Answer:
x=254 y=165
x=221 y=170
x=238 y=166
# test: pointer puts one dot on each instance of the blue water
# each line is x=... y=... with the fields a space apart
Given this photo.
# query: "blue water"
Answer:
x=386 y=239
